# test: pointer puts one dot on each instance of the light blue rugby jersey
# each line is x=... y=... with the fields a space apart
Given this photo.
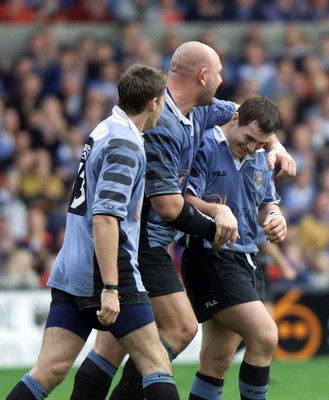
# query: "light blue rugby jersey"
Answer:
x=170 y=149
x=219 y=177
x=110 y=181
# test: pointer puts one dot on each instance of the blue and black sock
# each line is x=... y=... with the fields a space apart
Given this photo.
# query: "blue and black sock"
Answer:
x=160 y=386
x=28 y=389
x=253 y=382
x=130 y=384
x=206 y=388
x=93 y=379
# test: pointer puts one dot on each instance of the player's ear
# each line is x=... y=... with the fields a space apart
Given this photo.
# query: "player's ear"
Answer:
x=202 y=76
x=154 y=103
x=235 y=118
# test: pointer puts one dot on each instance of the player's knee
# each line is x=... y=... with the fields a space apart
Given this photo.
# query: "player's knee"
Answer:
x=51 y=376
x=188 y=332
x=179 y=334
x=273 y=338
x=216 y=365
x=270 y=340
x=57 y=373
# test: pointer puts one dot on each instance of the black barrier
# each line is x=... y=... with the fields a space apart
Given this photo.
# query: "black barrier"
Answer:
x=302 y=317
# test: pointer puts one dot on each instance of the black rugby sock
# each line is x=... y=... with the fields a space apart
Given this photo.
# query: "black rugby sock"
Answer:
x=253 y=382
x=161 y=391
x=160 y=386
x=20 y=392
x=93 y=379
x=130 y=384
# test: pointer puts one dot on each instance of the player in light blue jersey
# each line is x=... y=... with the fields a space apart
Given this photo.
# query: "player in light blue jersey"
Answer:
x=190 y=108
x=226 y=287
x=95 y=280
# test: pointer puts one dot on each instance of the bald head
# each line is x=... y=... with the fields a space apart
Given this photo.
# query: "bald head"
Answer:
x=194 y=75
x=191 y=57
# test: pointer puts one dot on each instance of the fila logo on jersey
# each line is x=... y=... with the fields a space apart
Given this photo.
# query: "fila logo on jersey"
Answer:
x=219 y=173
x=211 y=303
x=158 y=184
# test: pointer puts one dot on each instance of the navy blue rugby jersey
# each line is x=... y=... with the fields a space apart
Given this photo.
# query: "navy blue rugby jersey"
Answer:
x=170 y=149
x=219 y=177
x=110 y=181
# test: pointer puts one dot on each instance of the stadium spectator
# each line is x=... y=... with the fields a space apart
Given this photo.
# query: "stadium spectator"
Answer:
x=12 y=207
x=324 y=51
x=43 y=47
x=17 y=271
x=205 y=10
x=93 y=109
x=16 y=12
x=275 y=266
x=21 y=66
x=298 y=195
x=48 y=11
x=318 y=10
x=318 y=77
x=314 y=237
x=134 y=10
x=27 y=97
x=88 y=11
x=9 y=130
x=283 y=10
x=104 y=51
x=317 y=117
x=255 y=65
x=48 y=124
x=301 y=141
x=294 y=255
x=71 y=94
x=281 y=84
x=168 y=12
x=170 y=42
x=295 y=44
x=242 y=11
x=7 y=243
x=38 y=240
x=83 y=54
x=40 y=184
x=67 y=156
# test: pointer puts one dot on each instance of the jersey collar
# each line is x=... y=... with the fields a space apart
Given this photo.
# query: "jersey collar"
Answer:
x=122 y=118
x=220 y=138
x=177 y=112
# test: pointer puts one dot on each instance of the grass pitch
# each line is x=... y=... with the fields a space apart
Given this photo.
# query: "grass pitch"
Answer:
x=289 y=380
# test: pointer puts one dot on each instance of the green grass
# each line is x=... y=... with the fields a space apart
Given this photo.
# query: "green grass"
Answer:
x=289 y=380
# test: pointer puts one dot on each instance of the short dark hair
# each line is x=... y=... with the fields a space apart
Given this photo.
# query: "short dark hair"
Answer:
x=262 y=110
x=138 y=85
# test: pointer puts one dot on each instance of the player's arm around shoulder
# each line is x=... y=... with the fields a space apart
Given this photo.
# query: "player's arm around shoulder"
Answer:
x=273 y=223
x=278 y=155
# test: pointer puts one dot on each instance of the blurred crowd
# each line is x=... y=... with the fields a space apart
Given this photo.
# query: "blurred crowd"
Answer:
x=163 y=11
x=53 y=95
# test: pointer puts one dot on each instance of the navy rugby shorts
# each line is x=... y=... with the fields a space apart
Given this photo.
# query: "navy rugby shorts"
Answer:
x=215 y=280
x=158 y=273
x=65 y=313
